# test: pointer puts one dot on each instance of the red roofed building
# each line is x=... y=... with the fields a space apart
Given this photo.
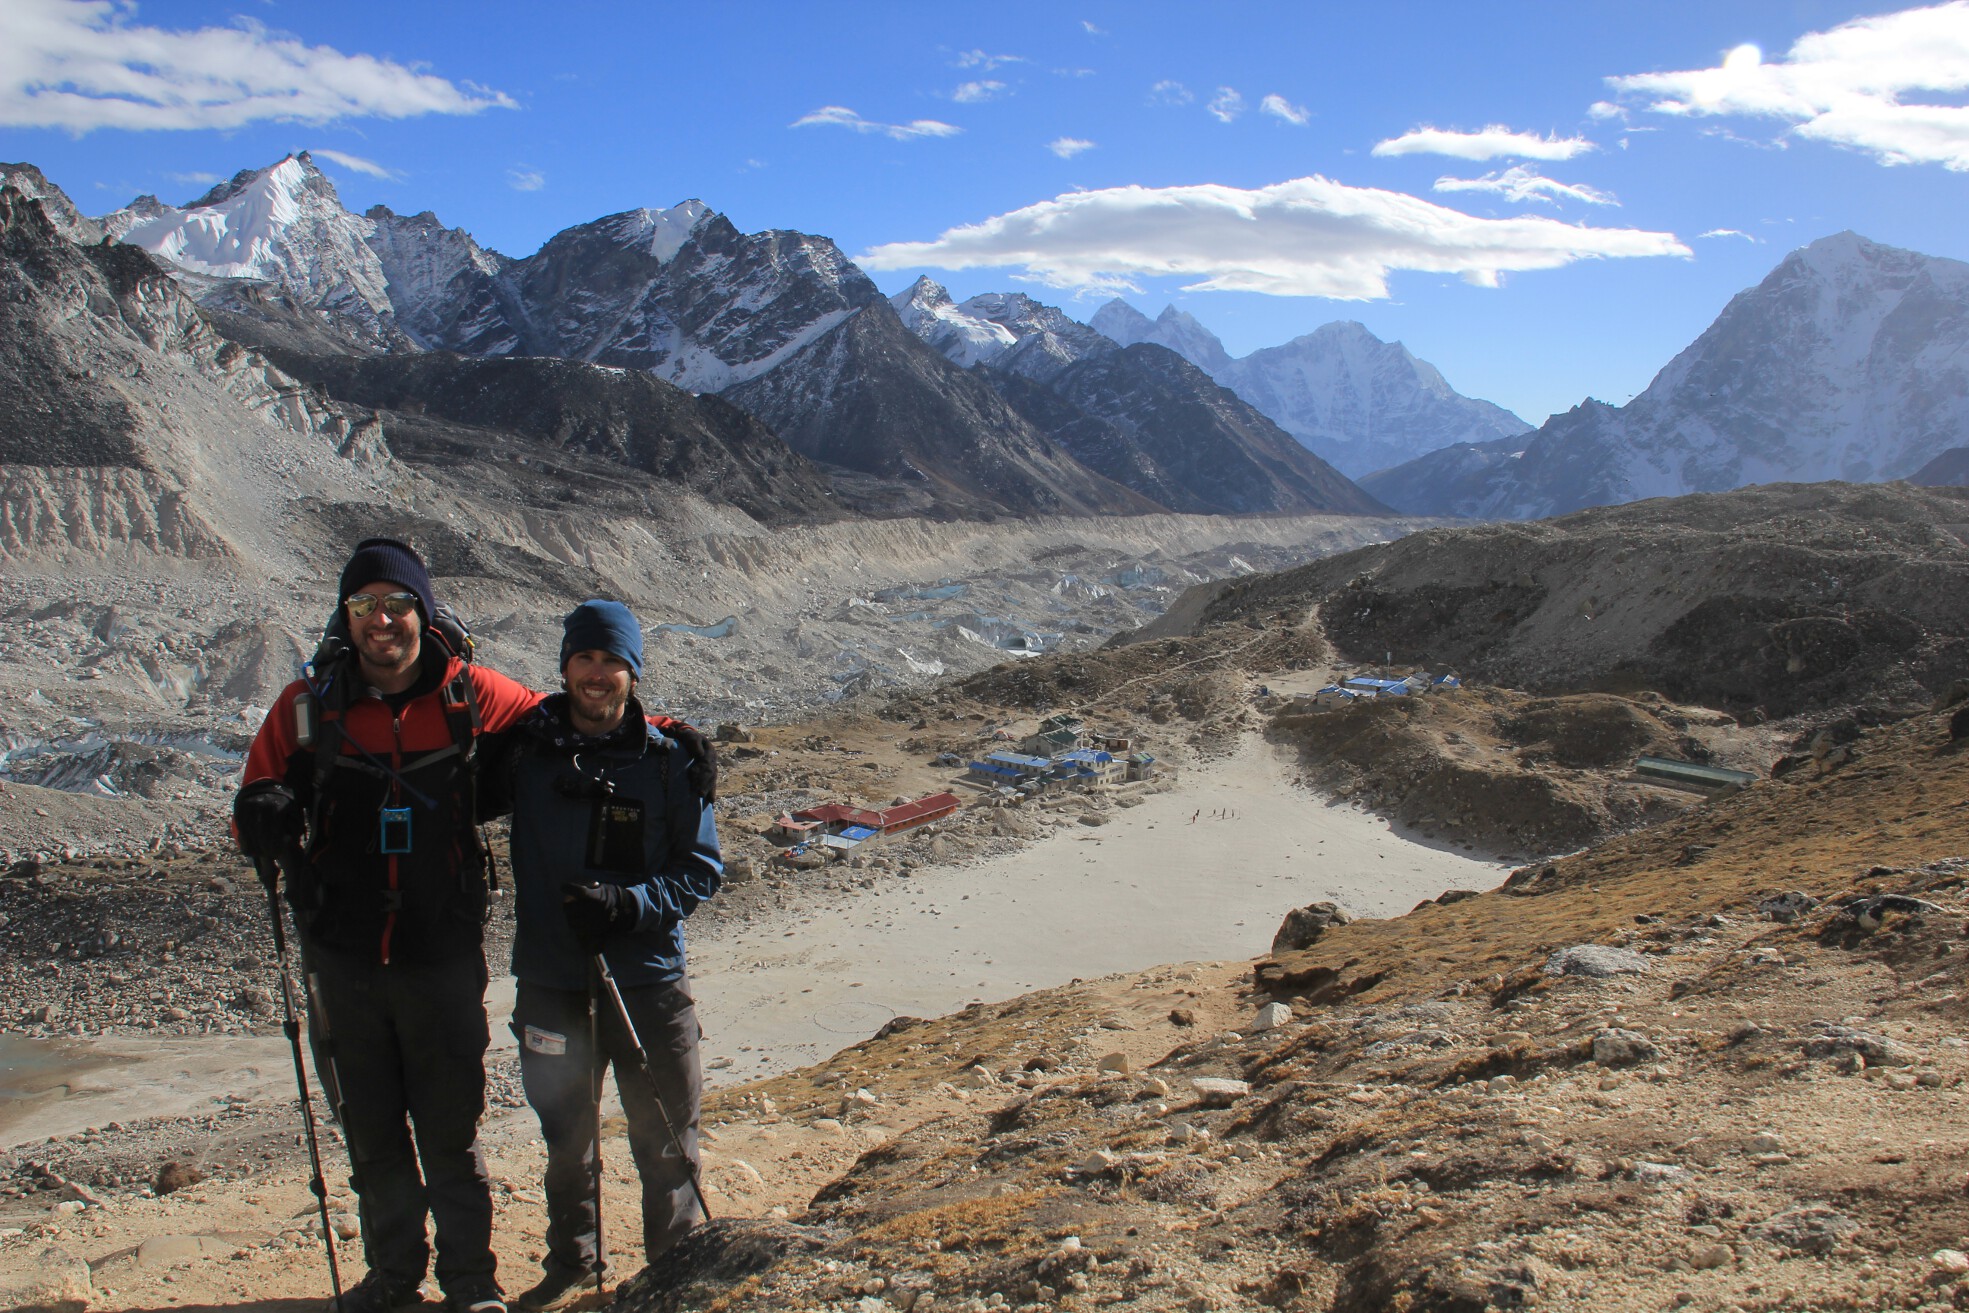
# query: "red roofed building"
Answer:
x=921 y=812
x=836 y=816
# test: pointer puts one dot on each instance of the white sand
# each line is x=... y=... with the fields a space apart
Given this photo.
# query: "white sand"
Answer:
x=1151 y=887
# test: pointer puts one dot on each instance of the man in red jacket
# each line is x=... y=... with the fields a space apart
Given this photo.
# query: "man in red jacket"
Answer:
x=388 y=883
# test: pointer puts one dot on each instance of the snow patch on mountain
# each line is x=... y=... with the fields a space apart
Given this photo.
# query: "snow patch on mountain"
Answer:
x=1008 y=331
x=1176 y=329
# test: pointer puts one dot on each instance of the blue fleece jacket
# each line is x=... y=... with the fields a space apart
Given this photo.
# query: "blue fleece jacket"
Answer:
x=550 y=777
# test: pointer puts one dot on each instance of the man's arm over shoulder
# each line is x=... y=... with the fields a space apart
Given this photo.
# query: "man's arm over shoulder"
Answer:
x=502 y=699
x=693 y=867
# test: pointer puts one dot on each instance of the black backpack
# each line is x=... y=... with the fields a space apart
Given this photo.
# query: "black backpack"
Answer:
x=330 y=677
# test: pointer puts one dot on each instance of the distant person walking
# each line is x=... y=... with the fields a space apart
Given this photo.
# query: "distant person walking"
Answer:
x=373 y=817
x=613 y=847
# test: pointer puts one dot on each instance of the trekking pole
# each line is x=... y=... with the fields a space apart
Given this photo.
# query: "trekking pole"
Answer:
x=268 y=874
x=642 y=1065
x=595 y=1091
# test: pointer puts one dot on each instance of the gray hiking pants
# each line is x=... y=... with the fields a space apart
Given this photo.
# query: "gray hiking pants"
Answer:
x=561 y=1072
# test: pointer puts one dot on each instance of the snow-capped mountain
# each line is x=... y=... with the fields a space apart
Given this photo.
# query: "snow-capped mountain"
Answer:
x=1009 y=331
x=283 y=226
x=679 y=293
x=1176 y=329
x=1142 y=415
x=1357 y=401
x=684 y=295
x=1362 y=403
x=1849 y=361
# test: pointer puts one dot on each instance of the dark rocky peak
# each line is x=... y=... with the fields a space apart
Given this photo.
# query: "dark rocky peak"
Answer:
x=60 y=210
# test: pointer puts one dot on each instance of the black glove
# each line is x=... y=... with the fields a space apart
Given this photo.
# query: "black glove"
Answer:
x=703 y=773
x=595 y=911
x=268 y=819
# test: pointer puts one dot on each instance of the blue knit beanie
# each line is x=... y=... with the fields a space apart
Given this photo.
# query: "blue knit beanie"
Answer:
x=386 y=558
x=599 y=626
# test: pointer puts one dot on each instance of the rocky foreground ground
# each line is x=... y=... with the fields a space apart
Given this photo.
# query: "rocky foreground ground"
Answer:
x=1715 y=1064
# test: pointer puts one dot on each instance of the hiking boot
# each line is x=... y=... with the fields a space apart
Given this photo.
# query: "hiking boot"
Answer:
x=475 y=1299
x=378 y=1292
x=560 y=1285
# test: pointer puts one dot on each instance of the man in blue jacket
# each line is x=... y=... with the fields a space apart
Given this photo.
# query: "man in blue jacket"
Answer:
x=612 y=848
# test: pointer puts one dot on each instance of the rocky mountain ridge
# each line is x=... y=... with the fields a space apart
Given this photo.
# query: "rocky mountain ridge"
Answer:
x=1850 y=360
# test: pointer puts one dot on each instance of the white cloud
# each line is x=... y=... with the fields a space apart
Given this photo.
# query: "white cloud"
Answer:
x=79 y=65
x=1730 y=232
x=984 y=63
x=1847 y=86
x=1068 y=147
x=355 y=163
x=970 y=93
x=1493 y=142
x=1606 y=109
x=1521 y=182
x=1279 y=107
x=1226 y=105
x=1170 y=92
x=1092 y=30
x=1306 y=237
x=194 y=179
x=525 y=179
x=839 y=116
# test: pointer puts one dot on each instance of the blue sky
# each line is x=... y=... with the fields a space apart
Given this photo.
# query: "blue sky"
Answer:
x=1562 y=197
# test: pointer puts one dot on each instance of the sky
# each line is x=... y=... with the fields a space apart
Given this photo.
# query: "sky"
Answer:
x=1545 y=201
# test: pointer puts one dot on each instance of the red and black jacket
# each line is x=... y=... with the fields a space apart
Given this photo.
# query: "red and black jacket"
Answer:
x=426 y=904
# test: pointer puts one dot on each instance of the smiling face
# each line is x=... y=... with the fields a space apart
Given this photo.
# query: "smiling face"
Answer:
x=386 y=644
x=598 y=686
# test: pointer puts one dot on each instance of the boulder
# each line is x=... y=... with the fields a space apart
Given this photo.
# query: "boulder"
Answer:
x=1303 y=926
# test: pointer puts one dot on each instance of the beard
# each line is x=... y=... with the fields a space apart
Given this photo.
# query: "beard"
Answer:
x=588 y=704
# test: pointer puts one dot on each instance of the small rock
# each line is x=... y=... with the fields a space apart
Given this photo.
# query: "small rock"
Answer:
x=1839 y=1041
x=1952 y=1261
x=53 y=1281
x=1597 y=961
x=1095 y=1163
x=1809 y=1228
x=1621 y=1048
x=1218 y=1091
x=1181 y=1017
x=1708 y=1257
x=1272 y=1016
x=1765 y=1142
x=1115 y=1062
x=1786 y=907
x=1647 y=1173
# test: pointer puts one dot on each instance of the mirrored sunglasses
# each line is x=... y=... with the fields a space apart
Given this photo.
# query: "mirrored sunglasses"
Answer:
x=398 y=605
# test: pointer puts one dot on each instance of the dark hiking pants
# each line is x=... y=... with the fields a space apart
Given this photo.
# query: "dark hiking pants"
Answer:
x=561 y=1074
x=407 y=1046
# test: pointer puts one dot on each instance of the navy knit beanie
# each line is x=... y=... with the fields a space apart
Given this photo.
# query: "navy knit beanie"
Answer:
x=386 y=558
x=599 y=626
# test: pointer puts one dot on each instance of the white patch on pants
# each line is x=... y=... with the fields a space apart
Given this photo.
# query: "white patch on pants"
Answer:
x=545 y=1042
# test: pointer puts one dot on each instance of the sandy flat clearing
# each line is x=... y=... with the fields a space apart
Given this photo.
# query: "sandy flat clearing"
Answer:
x=1203 y=872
